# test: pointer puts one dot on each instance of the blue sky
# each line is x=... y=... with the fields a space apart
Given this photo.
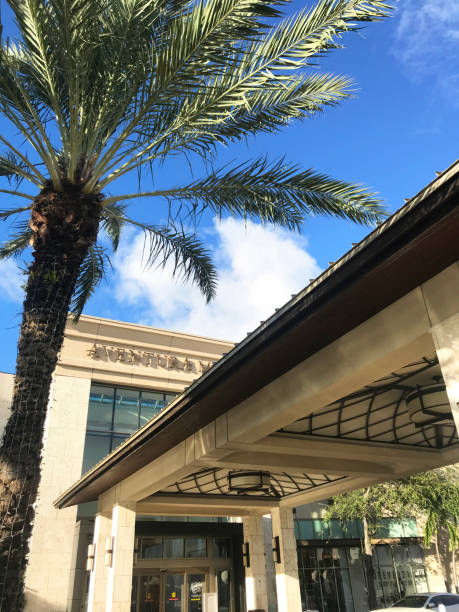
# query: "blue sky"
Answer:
x=402 y=127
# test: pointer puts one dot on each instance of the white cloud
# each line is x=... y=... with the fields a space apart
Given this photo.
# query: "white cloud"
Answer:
x=428 y=42
x=259 y=268
x=11 y=280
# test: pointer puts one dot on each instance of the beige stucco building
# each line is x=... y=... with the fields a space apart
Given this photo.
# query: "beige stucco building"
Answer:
x=175 y=433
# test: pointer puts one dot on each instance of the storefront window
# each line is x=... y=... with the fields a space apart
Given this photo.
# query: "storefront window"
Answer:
x=333 y=578
x=399 y=572
x=325 y=579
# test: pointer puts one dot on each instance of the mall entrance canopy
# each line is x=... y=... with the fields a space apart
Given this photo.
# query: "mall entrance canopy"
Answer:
x=354 y=381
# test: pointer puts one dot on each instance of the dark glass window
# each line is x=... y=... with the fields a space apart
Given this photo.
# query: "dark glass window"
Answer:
x=96 y=447
x=174 y=548
x=152 y=548
x=437 y=600
x=114 y=413
x=450 y=600
x=195 y=547
x=222 y=548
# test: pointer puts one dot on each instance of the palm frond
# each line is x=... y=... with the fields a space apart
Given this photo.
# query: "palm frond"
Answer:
x=263 y=109
x=4 y=214
x=276 y=192
x=15 y=170
x=453 y=534
x=92 y=272
x=191 y=260
x=18 y=194
x=17 y=244
x=229 y=72
x=112 y=222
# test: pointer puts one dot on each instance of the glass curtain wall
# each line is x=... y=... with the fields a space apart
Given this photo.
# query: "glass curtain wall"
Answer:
x=114 y=413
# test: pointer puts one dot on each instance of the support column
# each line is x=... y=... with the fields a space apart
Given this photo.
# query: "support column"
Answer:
x=119 y=581
x=287 y=580
x=98 y=578
x=446 y=339
x=255 y=575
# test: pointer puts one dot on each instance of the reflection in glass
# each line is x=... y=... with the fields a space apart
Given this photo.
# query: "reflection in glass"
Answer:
x=343 y=587
x=150 y=594
x=195 y=547
x=224 y=590
x=174 y=548
x=96 y=446
x=174 y=584
x=150 y=405
x=126 y=416
x=135 y=581
x=222 y=548
x=117 y=440
x=195 y=590
x=100 y=408
x=151 y=548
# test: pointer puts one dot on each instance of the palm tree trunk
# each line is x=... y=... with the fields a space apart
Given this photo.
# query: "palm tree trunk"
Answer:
x=64 y=225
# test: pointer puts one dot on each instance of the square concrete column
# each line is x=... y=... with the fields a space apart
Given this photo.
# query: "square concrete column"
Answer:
x=119 y=583
x=287 y=580
x=98 y=578
x=255 y=575
x=446 y=339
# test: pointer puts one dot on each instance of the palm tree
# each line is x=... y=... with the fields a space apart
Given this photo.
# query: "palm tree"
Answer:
x=98 y=89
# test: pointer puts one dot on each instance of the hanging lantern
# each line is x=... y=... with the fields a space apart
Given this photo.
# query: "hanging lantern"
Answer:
x=249 y=481
x=429 y=404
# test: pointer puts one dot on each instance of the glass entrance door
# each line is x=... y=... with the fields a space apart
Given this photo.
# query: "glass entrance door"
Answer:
x=149 y=594
x=169 y=592
x=196 y=587
x=174 y=599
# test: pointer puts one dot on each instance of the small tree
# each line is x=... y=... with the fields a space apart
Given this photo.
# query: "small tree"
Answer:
x=434 y=494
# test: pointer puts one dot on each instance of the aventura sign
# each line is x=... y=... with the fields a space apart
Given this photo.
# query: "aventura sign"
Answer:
x=147 y=359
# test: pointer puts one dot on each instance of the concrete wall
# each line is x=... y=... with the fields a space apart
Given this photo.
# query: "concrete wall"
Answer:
x=51 y=547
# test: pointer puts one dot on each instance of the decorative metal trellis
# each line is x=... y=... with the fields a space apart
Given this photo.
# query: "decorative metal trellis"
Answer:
x=377 y=413
x=214 y=481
